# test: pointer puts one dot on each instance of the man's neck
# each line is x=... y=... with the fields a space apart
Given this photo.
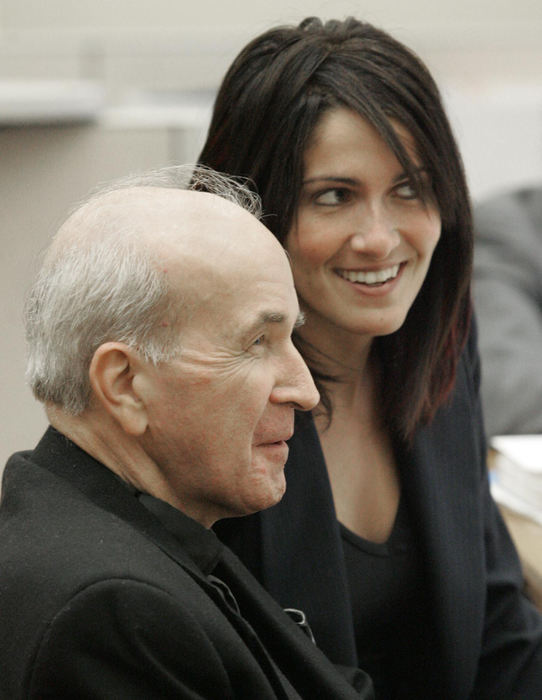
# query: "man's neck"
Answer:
x=100 y=436
x=97 y=433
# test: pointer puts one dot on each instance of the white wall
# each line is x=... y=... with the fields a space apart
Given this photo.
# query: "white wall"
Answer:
x=487 y=57
x=133 y=41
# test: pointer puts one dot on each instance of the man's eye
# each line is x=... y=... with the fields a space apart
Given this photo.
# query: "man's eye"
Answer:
x=330 y=198
x=259 y=340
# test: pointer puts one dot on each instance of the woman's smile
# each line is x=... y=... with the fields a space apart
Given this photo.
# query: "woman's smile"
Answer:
x=363 y=236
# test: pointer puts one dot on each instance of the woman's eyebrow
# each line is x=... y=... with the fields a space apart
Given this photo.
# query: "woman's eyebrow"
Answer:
x=330 y=178
x=420 y=170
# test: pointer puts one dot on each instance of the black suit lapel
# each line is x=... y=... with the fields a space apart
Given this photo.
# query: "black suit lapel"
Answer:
x=289 y=527
x=440 y=462
x=300 y=659
x=100 y=485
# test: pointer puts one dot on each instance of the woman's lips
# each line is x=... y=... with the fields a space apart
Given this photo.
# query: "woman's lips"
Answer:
x=373 y=282
x=370 y=277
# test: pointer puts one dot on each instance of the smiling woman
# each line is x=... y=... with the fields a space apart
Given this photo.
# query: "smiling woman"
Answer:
x=311 y=72
x=387 y=536
x=362 y=238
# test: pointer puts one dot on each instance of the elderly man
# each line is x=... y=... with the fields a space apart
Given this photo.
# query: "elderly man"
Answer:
x=159 y=334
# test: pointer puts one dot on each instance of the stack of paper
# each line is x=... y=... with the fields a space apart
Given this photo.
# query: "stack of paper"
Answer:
x=517 y=473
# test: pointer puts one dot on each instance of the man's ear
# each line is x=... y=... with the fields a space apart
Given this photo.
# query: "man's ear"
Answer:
x=112 y=371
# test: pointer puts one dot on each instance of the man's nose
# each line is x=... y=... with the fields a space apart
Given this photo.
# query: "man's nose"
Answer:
x=297 y=386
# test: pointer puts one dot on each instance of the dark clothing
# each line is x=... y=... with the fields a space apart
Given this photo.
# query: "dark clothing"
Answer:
x=487 y=639
x=390 y=607
x=106 y=593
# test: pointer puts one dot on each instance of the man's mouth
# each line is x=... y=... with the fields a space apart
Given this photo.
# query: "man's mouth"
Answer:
x=372 y=278
x=277 y=439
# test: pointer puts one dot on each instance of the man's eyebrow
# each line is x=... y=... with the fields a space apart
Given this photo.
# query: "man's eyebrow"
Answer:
x=277 y=317
x=267 y=317
x=300 y=320
x=271 y=317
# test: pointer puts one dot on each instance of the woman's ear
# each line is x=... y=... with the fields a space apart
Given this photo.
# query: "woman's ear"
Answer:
x=112 y=371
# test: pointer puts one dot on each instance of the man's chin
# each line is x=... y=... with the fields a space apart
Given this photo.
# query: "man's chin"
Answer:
x=270 y=496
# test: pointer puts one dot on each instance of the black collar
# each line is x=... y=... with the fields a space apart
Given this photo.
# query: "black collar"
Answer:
x=58 y=454
x=201 y=544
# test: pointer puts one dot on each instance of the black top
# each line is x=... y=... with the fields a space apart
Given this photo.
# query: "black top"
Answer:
x=488 y=638
x=389 y=605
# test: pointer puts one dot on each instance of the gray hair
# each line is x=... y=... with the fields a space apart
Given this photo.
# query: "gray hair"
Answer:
x=108 y=288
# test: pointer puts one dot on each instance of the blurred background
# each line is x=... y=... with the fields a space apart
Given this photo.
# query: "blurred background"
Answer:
x=95 y=90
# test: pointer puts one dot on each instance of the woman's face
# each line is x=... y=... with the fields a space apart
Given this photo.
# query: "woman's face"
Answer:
x=362 y=240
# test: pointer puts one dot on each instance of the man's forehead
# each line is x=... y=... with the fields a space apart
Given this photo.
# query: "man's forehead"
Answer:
x=153 y=210
x=199 y=238
x=142 y=194
x=205 y=223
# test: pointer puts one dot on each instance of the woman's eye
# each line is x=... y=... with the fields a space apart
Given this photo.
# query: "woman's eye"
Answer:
x=405 y=190
x=331 y=198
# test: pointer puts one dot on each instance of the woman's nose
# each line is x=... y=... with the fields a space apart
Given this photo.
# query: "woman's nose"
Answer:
x=375 y=235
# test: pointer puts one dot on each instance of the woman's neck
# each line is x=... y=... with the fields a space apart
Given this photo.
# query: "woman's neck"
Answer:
x=351 y=387
x=335 y=351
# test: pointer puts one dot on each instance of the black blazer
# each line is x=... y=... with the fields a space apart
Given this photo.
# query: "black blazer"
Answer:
x=489 y=637
x=99 y=600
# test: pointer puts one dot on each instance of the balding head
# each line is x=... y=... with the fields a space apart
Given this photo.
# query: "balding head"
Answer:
x=125 y=266
x=144 y=212
x=160 y=334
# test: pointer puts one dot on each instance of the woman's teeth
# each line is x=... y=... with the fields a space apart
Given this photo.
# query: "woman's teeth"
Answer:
x=372 y=277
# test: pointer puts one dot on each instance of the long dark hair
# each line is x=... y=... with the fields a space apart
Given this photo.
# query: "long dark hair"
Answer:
x=268 y=105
